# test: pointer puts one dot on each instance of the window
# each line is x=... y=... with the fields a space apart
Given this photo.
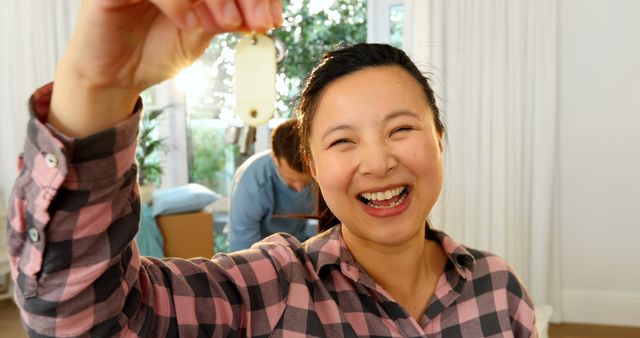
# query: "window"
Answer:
x=202 y=97
x=396 y=22
x=310 y=28
x=208 y=88
x=386 y=22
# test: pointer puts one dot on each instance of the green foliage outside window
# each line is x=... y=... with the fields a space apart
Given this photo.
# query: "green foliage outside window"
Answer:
x=150 y=147
x=209 y=158
x=396 y=22
x=308 y=34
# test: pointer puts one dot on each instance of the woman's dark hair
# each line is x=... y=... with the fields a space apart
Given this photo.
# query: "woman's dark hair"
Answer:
x=339 y=63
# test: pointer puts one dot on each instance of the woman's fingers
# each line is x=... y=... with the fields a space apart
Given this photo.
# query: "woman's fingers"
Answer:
x=226 y=14
x=257 y=14
x=223 y=15
x=237 y=15
x=206 y=18
x=180 y=12
x=276 y=12
x=114 y=4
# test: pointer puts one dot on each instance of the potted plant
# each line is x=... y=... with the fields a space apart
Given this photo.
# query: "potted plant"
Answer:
x=150 y=146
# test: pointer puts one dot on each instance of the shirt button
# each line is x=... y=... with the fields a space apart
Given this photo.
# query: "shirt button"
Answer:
x=34 y=235
x=20 y=162
x=52 y=160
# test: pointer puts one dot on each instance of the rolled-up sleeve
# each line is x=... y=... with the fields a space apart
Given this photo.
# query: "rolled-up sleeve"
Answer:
x=74 y=212
x=73 y=217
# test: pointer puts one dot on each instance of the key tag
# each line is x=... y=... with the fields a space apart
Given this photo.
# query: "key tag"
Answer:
x=255 y=79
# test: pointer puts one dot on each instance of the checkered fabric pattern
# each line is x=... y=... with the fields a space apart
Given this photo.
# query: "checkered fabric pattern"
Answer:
x=74 y=214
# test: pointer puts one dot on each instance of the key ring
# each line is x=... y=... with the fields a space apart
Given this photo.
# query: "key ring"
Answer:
x=281 y=47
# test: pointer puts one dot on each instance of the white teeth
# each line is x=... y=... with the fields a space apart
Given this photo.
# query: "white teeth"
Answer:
x=382 y=195
x=387 y=195
x=392 y=205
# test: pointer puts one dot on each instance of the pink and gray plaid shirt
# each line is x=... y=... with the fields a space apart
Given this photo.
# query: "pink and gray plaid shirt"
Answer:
x=75 y=211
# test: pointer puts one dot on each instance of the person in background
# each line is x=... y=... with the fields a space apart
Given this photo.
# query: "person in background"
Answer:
x=266 y=188
x=371 y=136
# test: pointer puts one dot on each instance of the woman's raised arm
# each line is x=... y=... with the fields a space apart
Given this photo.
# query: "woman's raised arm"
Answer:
x=121 y=47
x=75 y=207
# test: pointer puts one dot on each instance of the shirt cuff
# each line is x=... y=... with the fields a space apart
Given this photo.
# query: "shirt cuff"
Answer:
x=104 y=155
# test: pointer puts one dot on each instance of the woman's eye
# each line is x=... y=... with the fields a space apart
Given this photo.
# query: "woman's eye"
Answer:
x=339 y=141
x=401 y=129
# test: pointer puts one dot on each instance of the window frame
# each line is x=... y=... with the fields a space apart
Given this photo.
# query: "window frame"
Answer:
x=378 y=20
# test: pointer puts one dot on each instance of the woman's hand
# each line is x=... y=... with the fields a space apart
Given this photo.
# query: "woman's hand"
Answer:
x=121 y=47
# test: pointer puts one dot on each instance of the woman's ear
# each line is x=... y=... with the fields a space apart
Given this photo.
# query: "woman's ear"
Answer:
x=440 y=140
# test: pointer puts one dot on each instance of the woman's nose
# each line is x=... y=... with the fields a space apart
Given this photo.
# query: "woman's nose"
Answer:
x=376 y=160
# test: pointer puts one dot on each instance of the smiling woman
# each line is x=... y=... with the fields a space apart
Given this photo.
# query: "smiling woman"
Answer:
x=376 y=157
x=372 y=137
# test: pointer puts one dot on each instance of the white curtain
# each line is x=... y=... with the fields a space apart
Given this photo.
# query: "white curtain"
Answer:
x=33 y=36
x=493 y=65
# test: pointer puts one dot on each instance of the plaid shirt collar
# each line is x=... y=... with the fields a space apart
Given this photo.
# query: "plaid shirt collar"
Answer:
x=329 y=249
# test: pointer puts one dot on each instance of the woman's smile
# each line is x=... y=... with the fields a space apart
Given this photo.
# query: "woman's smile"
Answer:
x=386 y=202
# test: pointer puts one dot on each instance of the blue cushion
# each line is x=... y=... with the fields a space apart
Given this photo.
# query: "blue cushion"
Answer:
x=186 y=198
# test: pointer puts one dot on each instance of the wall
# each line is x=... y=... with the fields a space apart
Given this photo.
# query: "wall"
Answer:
x=33 y=35
x=599 y=111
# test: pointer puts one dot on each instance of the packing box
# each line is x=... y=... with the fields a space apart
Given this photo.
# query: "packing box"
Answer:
x=187 y=235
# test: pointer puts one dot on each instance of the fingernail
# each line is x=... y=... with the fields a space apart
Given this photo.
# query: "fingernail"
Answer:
x=191 y=20
x=232 y=15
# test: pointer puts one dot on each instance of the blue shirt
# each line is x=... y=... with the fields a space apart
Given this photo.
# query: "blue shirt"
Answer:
x=257 y=194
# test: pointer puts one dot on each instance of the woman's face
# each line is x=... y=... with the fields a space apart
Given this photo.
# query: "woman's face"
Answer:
x=376 y=155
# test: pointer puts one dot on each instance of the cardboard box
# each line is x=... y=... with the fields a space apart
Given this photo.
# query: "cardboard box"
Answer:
x=187 y=235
